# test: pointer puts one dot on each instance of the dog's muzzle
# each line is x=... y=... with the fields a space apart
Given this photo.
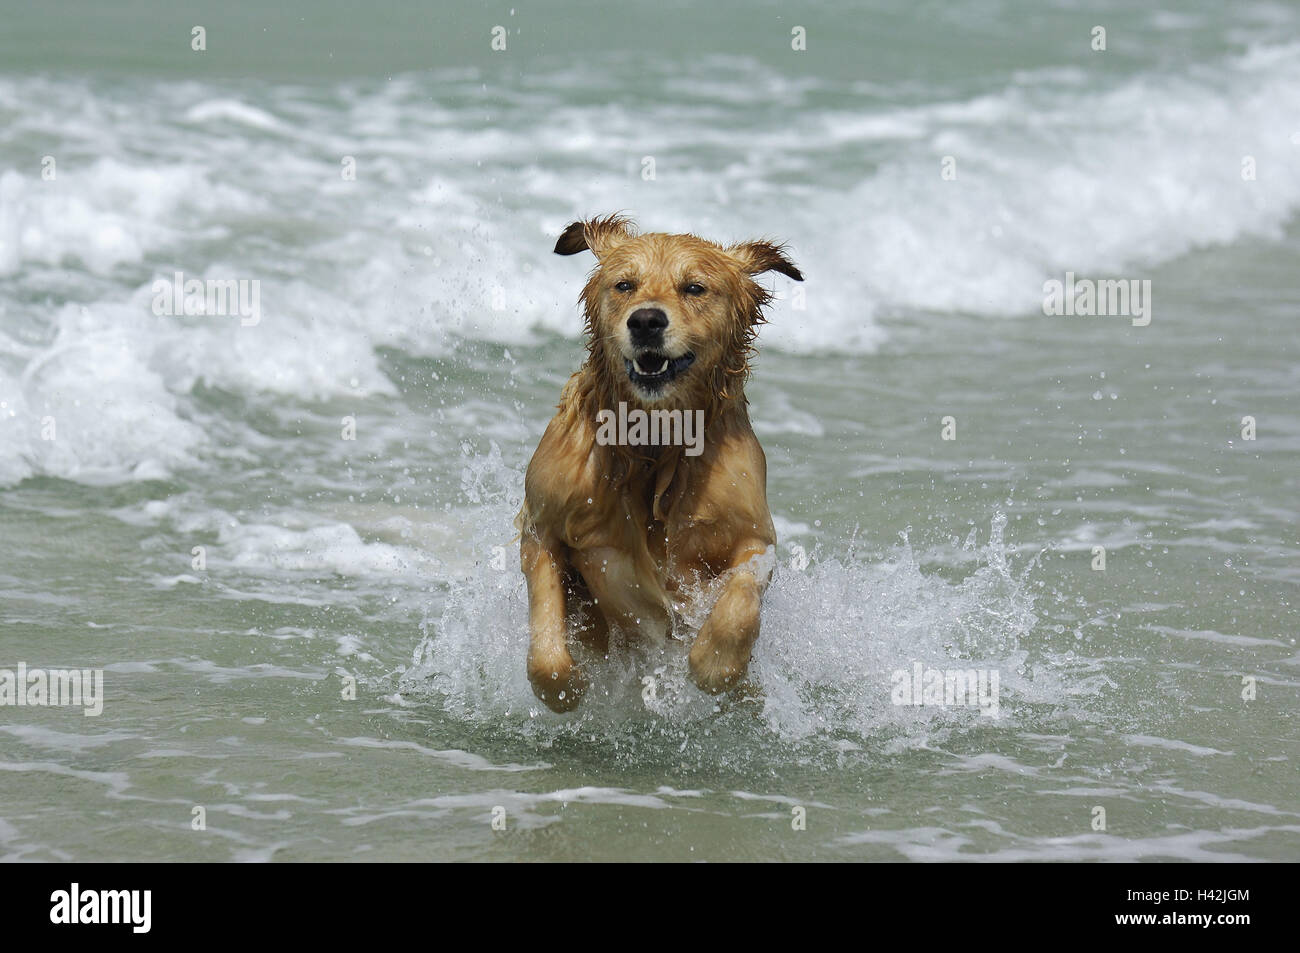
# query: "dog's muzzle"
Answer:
x=651 y=370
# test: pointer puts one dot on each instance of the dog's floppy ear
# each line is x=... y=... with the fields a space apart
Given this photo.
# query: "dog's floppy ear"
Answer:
x=760 y=256
x=597 y=234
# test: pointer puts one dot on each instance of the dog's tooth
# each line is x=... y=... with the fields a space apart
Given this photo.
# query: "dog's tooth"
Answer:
x=641 y=369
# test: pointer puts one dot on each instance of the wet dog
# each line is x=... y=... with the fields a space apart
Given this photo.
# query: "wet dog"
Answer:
x=618 y=529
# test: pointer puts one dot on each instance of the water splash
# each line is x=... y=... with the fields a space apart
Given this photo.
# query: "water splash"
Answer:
x=833 y=634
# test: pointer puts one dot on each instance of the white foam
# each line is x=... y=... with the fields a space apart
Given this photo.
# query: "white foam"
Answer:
x=89 y=407
x=1112 y=182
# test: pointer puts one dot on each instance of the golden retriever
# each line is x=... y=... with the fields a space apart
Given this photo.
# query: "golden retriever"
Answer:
x=623 y=524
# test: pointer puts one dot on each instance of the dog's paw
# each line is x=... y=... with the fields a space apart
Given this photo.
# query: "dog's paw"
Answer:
x=559 y=685
x=716 y=666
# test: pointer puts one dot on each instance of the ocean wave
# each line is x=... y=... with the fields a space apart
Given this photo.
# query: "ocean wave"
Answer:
x=444 y=236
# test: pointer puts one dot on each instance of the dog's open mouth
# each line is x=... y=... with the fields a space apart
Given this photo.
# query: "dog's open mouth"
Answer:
x=653 y=369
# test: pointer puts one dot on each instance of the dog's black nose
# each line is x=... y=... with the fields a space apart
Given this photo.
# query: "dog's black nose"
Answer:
x=647 y=325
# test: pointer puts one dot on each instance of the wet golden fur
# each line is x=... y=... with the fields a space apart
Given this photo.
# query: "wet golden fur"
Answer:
x=615 y=535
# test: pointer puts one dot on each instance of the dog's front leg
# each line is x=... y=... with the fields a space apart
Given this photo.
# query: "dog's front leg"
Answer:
x=551 y=669
x=720 y=656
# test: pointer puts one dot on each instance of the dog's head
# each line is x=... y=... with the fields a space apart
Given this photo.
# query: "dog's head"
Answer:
x=671 y=318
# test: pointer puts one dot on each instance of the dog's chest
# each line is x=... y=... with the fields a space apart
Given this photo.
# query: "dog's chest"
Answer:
x=686 y=550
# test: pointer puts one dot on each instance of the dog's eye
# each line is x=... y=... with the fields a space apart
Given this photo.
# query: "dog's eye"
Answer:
x=625 y=285
x=694 y=289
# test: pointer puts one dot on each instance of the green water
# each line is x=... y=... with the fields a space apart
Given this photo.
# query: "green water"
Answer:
x=389 y=559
